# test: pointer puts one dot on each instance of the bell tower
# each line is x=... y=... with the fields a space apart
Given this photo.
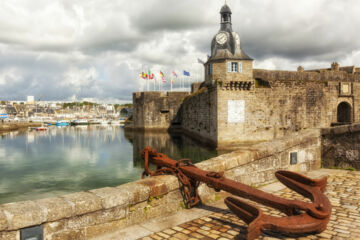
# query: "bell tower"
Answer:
x=228 y=62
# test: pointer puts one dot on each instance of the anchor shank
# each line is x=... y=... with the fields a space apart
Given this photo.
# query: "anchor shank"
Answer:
x=236 y=188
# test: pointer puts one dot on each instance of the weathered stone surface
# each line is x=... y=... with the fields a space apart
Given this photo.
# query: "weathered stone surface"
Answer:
x=56 y=208
x=54 y=227
x=341 y=150
x=3 y=221
x=84 y=202
x=155 y=185
x=112 y=197
x=101 y=229
x=23 y=214
x=96 y=218
x=12 y=235
x=135 y=191
x=68 y=235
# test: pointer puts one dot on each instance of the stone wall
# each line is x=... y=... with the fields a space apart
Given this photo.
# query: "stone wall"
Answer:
x=199 y=119
x=278 y=102
x=341 y=147
x=88 y=214
x=156 y=110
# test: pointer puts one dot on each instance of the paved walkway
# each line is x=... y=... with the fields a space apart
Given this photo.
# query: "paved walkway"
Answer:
x=217 y=222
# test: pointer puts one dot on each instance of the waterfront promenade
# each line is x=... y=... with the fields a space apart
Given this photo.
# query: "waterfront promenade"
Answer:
x=215 y=221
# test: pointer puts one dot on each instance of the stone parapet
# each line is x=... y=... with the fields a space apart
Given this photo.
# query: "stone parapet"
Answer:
x=274 y=75
x=85 y=215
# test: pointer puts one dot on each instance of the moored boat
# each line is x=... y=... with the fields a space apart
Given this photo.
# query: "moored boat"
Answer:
x=62 y=123
x=41 y=129
x=80 y=122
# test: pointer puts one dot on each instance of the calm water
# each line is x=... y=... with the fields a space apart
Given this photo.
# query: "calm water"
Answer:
x=63 y=160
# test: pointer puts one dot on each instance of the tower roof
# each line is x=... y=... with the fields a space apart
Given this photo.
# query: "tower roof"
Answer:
x=225 y=9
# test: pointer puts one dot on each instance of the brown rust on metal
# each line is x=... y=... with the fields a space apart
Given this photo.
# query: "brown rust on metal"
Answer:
x=302 y=217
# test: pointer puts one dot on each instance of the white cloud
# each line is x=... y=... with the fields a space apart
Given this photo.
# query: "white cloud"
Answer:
x=96 y=49
x=10 y=76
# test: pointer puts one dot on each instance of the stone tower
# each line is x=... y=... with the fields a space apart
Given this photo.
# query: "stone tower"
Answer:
x=229 y=76
x=228 y=62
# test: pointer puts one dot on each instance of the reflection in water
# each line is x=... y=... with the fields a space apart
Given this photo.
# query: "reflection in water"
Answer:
x=176 y=146
x=62 y=160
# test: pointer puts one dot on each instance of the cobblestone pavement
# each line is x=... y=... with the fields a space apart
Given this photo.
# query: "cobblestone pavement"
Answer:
x=343 y=190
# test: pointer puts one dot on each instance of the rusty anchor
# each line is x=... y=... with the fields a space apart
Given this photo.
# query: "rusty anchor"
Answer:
x=302 y=217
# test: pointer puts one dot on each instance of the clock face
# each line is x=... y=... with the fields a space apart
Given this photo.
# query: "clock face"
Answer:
x=221 y=38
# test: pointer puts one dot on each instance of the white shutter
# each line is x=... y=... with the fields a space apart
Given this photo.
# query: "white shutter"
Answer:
x=229 y=66
x=240 y=67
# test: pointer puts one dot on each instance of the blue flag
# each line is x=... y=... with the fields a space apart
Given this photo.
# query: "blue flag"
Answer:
x=186 y=73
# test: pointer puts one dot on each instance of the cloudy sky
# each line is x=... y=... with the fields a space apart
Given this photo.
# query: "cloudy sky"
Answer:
x=66 y=49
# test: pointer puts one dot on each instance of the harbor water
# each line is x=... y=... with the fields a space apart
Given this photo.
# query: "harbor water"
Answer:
x=63 y=160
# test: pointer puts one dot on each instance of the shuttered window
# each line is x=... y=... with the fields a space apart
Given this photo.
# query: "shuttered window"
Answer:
x=234 y=67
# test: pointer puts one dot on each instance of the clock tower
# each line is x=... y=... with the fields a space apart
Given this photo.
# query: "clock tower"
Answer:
x=228 y=62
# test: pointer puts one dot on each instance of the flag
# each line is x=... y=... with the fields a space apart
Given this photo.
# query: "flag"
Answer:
x=151 y=76
x=143 y=75
x=162 y=76
x=186 y=73
x=174 y=73
x=172 y=80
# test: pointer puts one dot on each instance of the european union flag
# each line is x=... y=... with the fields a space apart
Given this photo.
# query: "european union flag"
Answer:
x=186 y=73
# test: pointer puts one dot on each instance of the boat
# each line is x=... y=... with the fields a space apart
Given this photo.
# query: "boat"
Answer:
x=41 y=129
x=80 y=122
x=115 y=122
x=62 y=123
x=104 y=122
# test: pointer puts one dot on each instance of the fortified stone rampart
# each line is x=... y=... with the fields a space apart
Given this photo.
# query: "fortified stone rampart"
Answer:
x=199 y=118
x=88 y=214
x=156 y=110
x=278 y=102
x=322 y=76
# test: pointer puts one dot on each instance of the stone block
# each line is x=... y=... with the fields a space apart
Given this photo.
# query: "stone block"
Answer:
x=112 y=197
x=13 y=235
x=134 y=192
x=156 y=186
x=23 y=214
x=84 y=202
x=54 y=227
x=95 y=218
x=56 y=208
x=68 y=235
x=101 y=229
x=3 y=221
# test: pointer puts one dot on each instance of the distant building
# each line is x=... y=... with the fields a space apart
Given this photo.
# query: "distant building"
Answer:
x=30 y=100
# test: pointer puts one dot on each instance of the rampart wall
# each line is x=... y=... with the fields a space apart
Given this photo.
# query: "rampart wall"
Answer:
x=156 y=110
x=290 y=102
x=88 y=214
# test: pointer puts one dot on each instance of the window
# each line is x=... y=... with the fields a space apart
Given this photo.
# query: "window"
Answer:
x=209 y=69
x=234 y=67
